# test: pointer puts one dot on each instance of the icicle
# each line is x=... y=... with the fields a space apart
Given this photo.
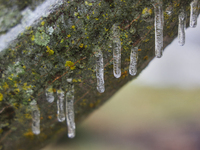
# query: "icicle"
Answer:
x=49 y=94
x=70 y=109
x=116 y=52
x=60 y=105
x=181 y=28
x=158 y=23
x=100 y=71
x=193 y=13
x=35 y=118
x=133 y=61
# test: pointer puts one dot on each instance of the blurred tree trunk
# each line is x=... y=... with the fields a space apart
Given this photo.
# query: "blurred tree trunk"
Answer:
x=38 y=37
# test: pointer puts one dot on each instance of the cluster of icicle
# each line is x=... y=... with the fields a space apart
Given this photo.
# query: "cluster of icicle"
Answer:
x=159 y=22
x=67 y=112
x=64 y=112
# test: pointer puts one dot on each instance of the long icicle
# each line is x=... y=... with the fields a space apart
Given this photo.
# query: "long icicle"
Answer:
x=193 y=13
x=35 y=117
x=60 y=105
x=70 y=115
x=158 y=23
x=49 y=94
x=133 y=61
x=100 y=71
x=116 y=52
x=181 y=28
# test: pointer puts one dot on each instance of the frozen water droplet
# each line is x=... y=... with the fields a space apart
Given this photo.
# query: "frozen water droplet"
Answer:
x=69 y=80
x=49 y=94
x=116 y=52
x=158 y=23
x=70 y=109
x=60 y=105
x=100 y=71
x=169 y=10
x=181 y=28
x=35 y=118
x=133 y=61
x=193 y=13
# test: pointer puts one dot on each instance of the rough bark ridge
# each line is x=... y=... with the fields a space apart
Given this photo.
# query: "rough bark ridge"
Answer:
x=43 y=43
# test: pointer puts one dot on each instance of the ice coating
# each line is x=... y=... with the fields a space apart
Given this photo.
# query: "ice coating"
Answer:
x=100 y=71
x=116 y=52
x=193 y=13
x=181 y=28
x=49 y=94
x=158 y=24
x=35 y=117
x=133 y=61
x=60 y=105
x=70 y=116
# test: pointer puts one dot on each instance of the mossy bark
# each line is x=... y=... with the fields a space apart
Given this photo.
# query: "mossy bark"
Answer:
x=59 y=45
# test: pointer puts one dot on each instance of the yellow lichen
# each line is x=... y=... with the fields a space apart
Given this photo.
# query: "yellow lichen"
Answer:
x=9 y=78
x=62 y=41
x=76 y=14
x=106 y=29
x=5 y=86
x=147 y=10
x=81 y=45
x=50 y=51
x=89 y=4
x=50 y=90
x=70 y=64
x=42 y=23
x=25 y=87
x=145 y=58
x=28 y=116
x=59 y=91
x=1 y=97
x=68 y=35
x=33 y=38
x=29 y=134
x=16 y=90
x=73 y=27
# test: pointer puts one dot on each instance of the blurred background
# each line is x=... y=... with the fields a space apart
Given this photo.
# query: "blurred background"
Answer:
x=160 y=110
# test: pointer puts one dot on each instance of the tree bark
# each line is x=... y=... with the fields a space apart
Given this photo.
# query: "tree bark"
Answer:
x=38 y=37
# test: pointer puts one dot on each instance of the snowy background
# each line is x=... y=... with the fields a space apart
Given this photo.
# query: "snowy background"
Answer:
x=179 y=66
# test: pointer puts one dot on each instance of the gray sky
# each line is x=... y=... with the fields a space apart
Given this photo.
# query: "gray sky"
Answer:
x=179 y=66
